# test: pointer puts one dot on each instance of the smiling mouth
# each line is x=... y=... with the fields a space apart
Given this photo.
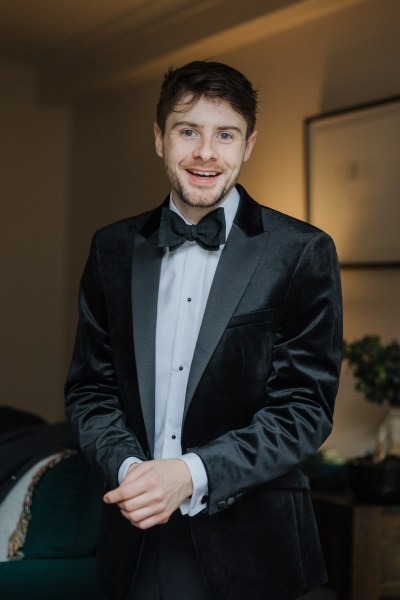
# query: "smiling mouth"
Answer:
x=204 y=174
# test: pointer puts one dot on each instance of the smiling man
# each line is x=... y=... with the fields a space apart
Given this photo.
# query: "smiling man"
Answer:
x=206 y=367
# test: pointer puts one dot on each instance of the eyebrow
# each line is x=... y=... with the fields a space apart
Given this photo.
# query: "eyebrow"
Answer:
x=191 y=125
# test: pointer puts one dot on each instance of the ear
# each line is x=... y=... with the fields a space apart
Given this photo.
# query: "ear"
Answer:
x=158 y=139
x=249 y=146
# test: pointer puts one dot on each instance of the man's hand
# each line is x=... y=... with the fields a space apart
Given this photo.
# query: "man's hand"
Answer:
x=151 y=491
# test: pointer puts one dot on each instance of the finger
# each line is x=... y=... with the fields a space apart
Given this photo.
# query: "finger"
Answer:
x=140 y=502
x=127 y=490
x=145 y=506
x=121 y=494
x=146 y=518
x=112 y=497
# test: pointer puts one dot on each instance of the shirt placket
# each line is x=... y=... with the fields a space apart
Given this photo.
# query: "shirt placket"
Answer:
x=182 y=353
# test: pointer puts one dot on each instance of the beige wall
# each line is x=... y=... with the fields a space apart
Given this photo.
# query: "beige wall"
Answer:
x=34 y=183
x=333 y=62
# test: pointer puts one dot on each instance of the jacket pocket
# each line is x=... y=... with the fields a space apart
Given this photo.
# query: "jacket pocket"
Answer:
x=253 y=318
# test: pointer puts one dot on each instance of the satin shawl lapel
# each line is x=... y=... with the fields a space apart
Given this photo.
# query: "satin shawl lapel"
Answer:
x=146 y=265
x=236 y=266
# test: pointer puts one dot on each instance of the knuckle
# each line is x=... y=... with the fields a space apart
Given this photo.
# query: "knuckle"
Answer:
x=126 y=506
x=153 y=479
x=159 y=496
x=135 y=519
x=164 y=518
x=124 y=493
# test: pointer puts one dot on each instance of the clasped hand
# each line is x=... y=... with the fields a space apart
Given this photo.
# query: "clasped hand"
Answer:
x=151 y=491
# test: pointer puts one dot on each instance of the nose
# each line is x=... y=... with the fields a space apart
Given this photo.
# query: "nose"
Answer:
x=205 y=150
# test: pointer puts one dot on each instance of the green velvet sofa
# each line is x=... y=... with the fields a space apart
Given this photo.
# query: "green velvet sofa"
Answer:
x=51 y=552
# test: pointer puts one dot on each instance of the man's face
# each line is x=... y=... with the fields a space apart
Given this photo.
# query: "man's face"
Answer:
x=203 y=149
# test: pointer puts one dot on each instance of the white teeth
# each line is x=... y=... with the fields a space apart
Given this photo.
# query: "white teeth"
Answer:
x=204 y=173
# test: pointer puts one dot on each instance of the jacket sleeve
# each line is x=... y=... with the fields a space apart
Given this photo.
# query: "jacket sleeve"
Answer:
x=300 y=389
x=93 y=404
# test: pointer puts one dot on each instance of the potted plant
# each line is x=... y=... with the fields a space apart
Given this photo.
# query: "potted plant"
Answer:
x=376 y=369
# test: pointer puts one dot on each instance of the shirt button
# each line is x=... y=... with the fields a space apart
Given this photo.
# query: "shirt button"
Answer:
x=173 y=437
x=189 y=299
x=181 y=368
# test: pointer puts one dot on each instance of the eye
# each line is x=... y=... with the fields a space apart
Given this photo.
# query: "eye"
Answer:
x=188 y=133
x=225 y=136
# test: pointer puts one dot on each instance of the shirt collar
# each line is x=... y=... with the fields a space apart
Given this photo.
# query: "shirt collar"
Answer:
x=230 y=206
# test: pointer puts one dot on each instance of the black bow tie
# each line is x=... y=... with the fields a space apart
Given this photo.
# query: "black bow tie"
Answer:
x=209 y=233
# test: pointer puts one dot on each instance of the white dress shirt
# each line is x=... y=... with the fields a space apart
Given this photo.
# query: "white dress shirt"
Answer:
x=185 y=281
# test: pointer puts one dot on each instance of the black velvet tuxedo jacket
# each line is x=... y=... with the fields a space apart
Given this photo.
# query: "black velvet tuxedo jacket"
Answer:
x=259 y=399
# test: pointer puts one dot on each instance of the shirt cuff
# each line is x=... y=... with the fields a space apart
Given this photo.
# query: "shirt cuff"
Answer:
x=125 y=466
x=198 y=501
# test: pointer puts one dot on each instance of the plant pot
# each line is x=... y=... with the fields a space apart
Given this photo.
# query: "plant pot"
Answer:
x=375 y=482
x=388 y=439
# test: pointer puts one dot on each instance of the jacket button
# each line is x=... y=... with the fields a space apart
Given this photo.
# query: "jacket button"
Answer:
x=230 y=501
x=221 y=505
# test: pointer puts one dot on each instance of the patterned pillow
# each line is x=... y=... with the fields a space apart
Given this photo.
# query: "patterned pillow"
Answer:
x=61 y=511
x=12 y=506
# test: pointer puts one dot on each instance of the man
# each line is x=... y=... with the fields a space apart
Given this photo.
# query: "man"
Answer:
x=206 y=367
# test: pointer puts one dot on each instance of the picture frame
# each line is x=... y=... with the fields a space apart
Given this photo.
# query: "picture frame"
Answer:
x=352 y=162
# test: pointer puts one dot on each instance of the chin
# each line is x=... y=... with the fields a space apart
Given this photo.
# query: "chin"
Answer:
x=206 y=199
x=201 y=202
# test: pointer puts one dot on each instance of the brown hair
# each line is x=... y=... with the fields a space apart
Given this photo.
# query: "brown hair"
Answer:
x=212 y=80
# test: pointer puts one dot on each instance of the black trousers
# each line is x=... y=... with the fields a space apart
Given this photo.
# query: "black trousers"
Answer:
x=169 y=568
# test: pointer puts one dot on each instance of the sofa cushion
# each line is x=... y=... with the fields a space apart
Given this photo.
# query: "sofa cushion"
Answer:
x=62 y=520
x=47 y=579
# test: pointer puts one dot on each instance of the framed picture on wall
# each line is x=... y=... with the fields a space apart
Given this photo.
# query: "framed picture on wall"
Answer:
x=352 y=161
